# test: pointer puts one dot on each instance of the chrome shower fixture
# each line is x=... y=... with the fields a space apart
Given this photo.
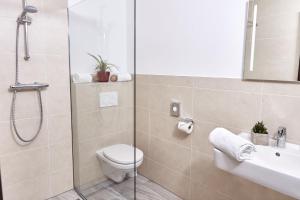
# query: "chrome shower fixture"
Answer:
x=29 y=9
x=25 y=20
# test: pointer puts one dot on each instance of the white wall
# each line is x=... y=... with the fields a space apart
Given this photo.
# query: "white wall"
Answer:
x=191 y=38
x=100 y=27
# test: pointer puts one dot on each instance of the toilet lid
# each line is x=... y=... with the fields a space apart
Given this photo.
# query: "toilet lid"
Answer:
x=122 y=154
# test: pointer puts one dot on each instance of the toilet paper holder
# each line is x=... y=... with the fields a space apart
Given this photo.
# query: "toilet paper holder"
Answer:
x=186 y=125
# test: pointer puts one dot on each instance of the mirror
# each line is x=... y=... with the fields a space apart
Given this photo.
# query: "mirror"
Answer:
x=272 y=40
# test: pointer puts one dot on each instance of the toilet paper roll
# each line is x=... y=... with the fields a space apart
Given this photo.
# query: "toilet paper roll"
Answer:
x=186 y=127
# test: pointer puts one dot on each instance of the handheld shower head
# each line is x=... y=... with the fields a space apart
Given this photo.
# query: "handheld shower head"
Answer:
x=29 y=9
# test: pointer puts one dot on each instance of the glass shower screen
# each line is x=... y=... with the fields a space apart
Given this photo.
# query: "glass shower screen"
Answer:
x=101 y=34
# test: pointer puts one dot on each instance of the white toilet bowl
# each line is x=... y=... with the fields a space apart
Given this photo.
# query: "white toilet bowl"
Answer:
x=117 y=161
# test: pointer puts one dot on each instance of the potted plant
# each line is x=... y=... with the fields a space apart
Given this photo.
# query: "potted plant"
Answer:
x=102 y=68
x=259 y=134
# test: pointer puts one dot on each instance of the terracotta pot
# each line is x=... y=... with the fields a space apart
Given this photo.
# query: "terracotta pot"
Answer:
x=103 y=76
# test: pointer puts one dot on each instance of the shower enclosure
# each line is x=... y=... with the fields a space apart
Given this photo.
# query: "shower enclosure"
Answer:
x=102 y=112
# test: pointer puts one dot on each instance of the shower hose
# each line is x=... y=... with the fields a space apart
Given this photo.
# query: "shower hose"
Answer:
x=13 y=105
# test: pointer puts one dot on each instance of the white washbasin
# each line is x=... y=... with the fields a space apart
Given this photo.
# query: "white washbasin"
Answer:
x=280 y=173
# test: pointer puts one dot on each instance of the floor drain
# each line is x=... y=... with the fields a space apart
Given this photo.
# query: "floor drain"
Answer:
x=277 y=154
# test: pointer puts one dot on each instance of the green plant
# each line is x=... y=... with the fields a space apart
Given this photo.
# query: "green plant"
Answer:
x=102 y=65
x=260 y=128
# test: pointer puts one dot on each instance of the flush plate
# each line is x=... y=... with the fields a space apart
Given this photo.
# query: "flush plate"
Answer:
x=108 y=99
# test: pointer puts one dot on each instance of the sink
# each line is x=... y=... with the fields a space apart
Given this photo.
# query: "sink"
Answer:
x=272 y=167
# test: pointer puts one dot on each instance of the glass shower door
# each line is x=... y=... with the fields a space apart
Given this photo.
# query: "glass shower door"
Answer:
x=102 y=40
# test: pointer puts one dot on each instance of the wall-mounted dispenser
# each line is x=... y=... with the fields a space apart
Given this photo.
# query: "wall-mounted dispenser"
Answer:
x=186 y=125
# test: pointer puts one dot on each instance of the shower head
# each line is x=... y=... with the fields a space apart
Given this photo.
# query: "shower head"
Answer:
x=29 y=9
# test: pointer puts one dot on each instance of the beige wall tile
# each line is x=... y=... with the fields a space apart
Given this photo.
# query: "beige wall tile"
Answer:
x=90 y=101
x=61 y=156
x=171 y=80
x=200 y=135
x=36 y=188
x=55 y=5
x=161 y=96
x=87 y=126
x=90 y=173
x=58 y=100
x=201 y=168
x=125 y=119
x=5 y=102
x=282 y=111
x=204 y=193
x=30 y=109
x=57 y=26
x=170 y=155
x=229 y=109
x=7 y=74
x=27 y=128
x=175 y=182
x=36 y=65
x=286 y=89
x=59 y=128
x=227 y=84
x=24 y=165
x=143 y=169
x=7 y=39
x=142 y=97
x=61 y=181
x=165 y=127
x=57 y=70
x=142 y=141
x=142 y=120
x=263 y=193
x=87 y=151
x=142 y=79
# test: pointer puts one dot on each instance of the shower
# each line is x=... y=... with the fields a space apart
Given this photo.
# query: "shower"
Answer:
x=25 y=20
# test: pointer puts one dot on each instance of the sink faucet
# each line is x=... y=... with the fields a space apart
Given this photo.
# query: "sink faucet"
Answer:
x=281 y=137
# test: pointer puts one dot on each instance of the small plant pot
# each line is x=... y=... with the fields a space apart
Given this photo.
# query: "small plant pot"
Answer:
x=260 y=139
x=103 y=76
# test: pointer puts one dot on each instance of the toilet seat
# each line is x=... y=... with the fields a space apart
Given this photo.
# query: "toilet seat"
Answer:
x=113 y=156
x=122 y=154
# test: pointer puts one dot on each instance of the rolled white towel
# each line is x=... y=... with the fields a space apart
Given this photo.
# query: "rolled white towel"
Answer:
x=231 y=144
x=114 y=70
x=82 y=78
x=124 y=77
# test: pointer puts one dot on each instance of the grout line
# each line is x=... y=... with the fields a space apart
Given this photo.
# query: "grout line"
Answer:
x=168 y=168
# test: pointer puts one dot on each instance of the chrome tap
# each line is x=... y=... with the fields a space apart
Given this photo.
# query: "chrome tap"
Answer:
x=281 y=137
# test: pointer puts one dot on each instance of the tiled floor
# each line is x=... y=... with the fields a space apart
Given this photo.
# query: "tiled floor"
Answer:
x=146 y=190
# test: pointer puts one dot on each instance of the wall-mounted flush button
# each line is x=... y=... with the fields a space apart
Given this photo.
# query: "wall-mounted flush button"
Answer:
x=108 y=99
x=175 y=109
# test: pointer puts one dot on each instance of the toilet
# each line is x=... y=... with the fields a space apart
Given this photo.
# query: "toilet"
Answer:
x=117 y=161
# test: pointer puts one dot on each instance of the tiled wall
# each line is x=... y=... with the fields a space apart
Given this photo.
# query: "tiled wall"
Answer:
x=43 y=168
x=184 y=164
x=95 y=127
